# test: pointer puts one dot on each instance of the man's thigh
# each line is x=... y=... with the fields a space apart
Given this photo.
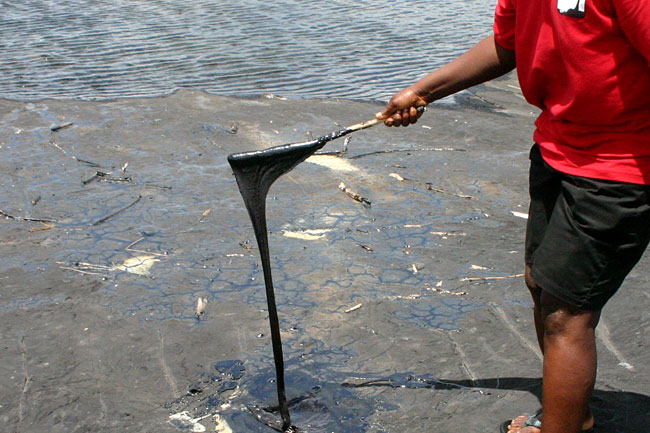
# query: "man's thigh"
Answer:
x=585 y=235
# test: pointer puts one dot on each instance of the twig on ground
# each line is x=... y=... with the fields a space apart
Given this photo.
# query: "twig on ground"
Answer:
x=53 y=143
x=18 y=218
x=430 y=186
x=85 y=161
x=82 y=271
x=353 y=195
x=106 y=218
x=133 y=250
x=205 y=214
x=85 y=266
x=351 y=309
x=61 y=126
x=125 y=179
x=473 y=279
x=246 y=245
x=151 y=185
x=442 y=191
x=445 y=291
x=426 y=149
x=42 y=228
x=26 y=381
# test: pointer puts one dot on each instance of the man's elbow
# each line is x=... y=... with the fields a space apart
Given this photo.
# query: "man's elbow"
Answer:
x=507 y=59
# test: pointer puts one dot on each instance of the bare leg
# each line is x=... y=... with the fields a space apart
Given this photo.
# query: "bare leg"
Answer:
x=567 y=334
x=569 y=365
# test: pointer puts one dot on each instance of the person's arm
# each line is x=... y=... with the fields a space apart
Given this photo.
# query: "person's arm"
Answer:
x=483 y=62
x=634 y=17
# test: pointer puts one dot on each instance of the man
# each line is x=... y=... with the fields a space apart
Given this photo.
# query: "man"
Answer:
x=586 y=65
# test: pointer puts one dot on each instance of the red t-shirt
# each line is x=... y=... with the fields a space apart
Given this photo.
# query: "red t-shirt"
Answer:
x=586 y=64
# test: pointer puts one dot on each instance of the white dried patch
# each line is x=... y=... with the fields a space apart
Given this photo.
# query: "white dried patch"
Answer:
x=308 y=235
x=184 y=421
x=139 y=265
x=444 y=234
x=332 y=162
x=201 y=303
x=221 y=426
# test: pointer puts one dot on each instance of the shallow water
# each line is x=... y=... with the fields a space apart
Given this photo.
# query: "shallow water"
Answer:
x=90 y=49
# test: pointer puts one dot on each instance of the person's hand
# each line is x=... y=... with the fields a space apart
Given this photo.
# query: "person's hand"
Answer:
x=401 y=109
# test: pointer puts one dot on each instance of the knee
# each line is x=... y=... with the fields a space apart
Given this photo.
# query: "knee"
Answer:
x=562 y=319
x=555 y=322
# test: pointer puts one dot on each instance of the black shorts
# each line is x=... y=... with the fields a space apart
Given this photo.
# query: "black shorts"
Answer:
x=583 y=235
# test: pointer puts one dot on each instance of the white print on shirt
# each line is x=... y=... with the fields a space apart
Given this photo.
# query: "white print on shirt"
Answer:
x=572 y=8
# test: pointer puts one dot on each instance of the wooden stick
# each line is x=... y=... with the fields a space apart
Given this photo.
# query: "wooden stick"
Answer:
x=82 y=272
x=426 y=149
x=430 y=186
x=353 y=195
x=133 y=250
x=98 y=222
x=17 y=218
x=61 y=126
x=42 y=228
x=351 y=309
x=471 y=279
x=442 y=191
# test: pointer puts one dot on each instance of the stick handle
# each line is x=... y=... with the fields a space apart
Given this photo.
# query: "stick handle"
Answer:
x=373 y=122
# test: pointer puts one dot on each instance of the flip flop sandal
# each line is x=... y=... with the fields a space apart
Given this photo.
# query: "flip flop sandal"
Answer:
x=535 y=420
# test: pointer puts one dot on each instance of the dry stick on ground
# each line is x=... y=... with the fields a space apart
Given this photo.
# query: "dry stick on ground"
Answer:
x=26 y=382
x=353 y=195
x=106 y=177
x=82 y=272
x=133 y=250
x=246 y=245
x=53 y=143
x=61 y=126
x=205 y=214
x=430 y=187
x=151 y=185
x=85 y=266
x=426 y=149
x=442 y=191
x=18 y=218
x=84 y=161
x=106 y=218
x=472 y=279
x=42 y=228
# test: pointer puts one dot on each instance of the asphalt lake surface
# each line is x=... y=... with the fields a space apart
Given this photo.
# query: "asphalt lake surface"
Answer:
x=406 y=314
